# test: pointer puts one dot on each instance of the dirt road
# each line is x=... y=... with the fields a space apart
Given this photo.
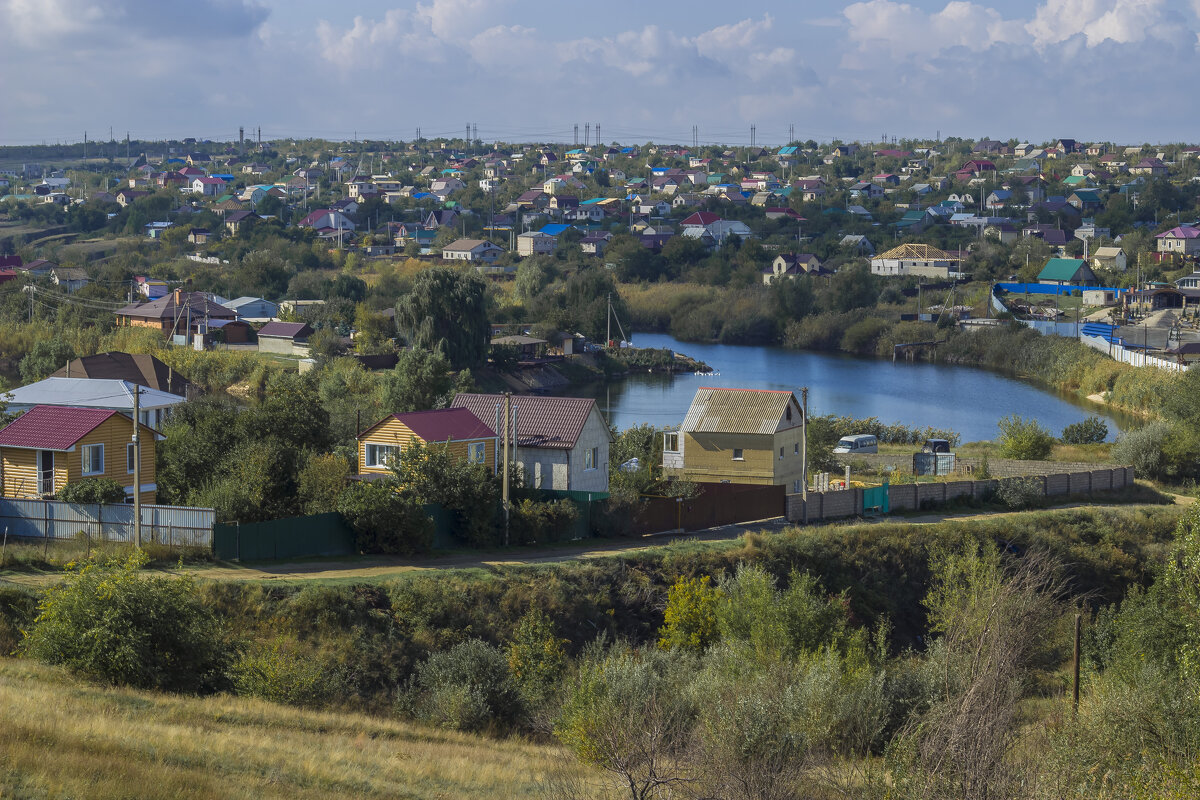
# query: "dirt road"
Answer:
x=381 y=567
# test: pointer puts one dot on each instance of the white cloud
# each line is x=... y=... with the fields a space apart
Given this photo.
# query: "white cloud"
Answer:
x=905 y=30
x=1120 y=21
x=126 y=22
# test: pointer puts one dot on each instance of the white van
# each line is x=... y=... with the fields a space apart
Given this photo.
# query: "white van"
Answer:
x=862 y=443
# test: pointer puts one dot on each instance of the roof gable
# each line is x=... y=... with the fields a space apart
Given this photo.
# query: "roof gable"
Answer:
x=52 y=427
x=442 y=424
x=554 y=423
x=754 y=411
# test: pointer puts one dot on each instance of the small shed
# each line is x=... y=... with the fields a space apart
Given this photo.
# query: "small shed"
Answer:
x=282 y=337
x=1073 y=271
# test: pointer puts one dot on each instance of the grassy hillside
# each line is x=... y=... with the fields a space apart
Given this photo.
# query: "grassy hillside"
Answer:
x=61 y=737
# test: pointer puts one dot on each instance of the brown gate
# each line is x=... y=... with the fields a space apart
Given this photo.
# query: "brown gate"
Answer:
x=716 y=504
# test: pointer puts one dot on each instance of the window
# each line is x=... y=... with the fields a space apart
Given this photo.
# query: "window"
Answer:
x=671 y=442
x=796 y=449
x=476 y=452
x=781 y=454
x=591 y=457
x=93 y=459
x=130 y=456
x=381 y=455
x=737 y=454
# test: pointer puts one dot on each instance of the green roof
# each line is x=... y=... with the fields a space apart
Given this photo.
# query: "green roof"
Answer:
x=1061 y=269
x=1075 y=180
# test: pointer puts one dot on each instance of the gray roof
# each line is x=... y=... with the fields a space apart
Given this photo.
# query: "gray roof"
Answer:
x=88 y=393
x=758 y=411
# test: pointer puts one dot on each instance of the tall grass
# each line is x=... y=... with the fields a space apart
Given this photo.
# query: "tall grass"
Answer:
x=64 y=738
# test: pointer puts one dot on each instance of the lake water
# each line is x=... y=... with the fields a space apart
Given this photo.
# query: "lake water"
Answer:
x=962 y=399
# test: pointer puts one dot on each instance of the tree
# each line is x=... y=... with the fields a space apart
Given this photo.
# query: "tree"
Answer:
x=46 y=356
x=446 y=311
x=627 y=714
x=469 y=492
x=1024 y=439
x=321 y=482
x=386 y=520
x=1090 y=431
x=421 y=380
x=262 y=272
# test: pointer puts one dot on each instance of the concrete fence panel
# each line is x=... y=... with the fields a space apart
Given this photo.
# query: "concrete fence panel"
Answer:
x=1058 y=484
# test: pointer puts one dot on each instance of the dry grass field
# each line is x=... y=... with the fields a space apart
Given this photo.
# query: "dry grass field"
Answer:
x=65 y=738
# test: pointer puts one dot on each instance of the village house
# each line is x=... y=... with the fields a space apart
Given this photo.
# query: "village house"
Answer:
x=51 y=446
x=790 y=266
x=284 y=337
x=141 y=369
x=457 y=429
x=915 y=259
x=1072 y=271
x=474 y=250
x=1183 y=240
x=176 y=314
x=535 y=243
x=107 y=393
x=562 y=442
x=753 y=436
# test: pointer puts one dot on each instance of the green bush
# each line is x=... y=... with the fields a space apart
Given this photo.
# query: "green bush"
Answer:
x=92 y=490
x=107 y=622
x=280 y=674
x=467 y=688
x=1090 y=431
x=1023 y=492
x=1144 y=449
x=386 y=520
x=533 y=522
x=1024 y=439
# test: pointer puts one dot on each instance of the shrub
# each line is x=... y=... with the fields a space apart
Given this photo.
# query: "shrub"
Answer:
x=690 y=618
x=1143 y=449
x=536 y=658
x=1020 y=492
x=281 y=675
x=467 y=688
x=107 y=622
x=533 y=522
x=1024 y=439
x=92 y=490
x=386 y=520
x=1090 y=431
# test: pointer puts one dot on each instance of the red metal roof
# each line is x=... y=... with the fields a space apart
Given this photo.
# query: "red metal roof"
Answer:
x=548 y=422
x=52 y=427
x=442 y=424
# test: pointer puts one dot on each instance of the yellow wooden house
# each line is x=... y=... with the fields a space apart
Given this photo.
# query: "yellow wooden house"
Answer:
x=750 y=436
x=454 y=428
x=50 y=446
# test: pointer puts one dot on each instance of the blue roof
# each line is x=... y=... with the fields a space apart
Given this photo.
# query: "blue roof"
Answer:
x=555 y=229
x=419 y=195
x=227 y=178
x=788 y=151
x=593 y=200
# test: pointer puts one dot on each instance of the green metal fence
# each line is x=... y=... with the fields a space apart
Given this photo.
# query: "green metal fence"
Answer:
x=296 y=537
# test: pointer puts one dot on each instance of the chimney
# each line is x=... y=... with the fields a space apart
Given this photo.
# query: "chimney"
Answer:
x=178 y=296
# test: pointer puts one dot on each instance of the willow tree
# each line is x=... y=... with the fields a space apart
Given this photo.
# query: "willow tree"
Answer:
x=446 y=312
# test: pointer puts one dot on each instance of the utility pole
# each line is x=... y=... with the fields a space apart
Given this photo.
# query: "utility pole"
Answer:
x=507 y=426
x=804 y=451
x=137 y=467
x=1075 y=666
x=608 y=318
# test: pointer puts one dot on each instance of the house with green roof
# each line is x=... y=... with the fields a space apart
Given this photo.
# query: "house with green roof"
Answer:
x=1071 y=271
x=1085 y=200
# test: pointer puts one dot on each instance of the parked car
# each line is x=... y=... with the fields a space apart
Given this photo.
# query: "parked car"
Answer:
x=860 y=443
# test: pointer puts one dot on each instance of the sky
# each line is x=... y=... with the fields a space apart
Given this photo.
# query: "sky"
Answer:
x=531 y=70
